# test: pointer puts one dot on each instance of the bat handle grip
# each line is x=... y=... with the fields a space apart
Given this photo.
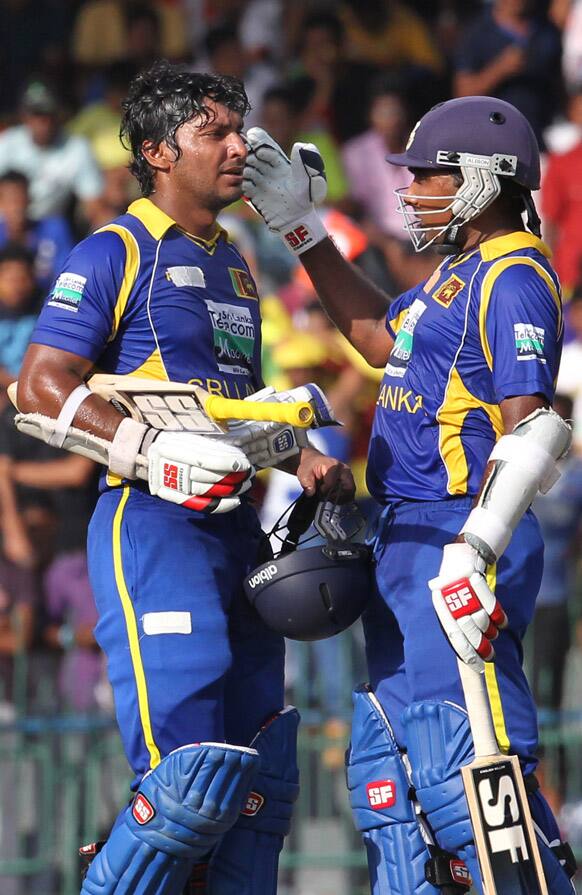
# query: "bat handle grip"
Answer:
x=296 y=413
x=479 y=710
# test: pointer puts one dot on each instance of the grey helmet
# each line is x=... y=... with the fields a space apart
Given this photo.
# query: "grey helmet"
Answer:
x=312 y=593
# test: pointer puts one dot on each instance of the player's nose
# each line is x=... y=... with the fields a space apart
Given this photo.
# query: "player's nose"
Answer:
x=237 y=147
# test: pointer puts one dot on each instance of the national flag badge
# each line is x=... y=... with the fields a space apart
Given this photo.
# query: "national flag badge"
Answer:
x=242 y=283
x=449 y=289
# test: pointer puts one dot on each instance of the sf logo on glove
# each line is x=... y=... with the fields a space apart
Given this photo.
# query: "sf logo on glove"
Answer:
x=460 y=598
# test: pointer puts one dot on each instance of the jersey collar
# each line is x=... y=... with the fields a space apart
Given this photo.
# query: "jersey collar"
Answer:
x=157 y=223
x=512 y=242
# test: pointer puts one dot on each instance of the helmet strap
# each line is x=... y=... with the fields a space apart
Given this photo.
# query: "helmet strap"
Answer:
x=533 y=220
x=449 y=245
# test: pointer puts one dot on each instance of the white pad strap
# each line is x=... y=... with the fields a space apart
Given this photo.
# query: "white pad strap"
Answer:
x=530 y=457
x=125 y=448
x=67 y=414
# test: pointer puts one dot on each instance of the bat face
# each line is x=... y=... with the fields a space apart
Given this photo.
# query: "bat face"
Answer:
x=504 y=835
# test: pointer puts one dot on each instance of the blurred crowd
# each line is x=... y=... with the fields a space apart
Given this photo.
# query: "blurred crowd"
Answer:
x=352 y=76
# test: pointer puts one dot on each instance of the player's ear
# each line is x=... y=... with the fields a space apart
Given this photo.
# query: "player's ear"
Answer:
x=158 y=155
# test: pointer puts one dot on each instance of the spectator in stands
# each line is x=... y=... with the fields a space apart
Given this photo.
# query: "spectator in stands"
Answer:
x=570 y=375
x=71 y=616
x=49 y=239
x=109 y=30
x=101 y=118
x=58 y=167
x=372 y=184
x=283 y=115
x=561 y=204
x=511 y=52
x=339 y=86
x=560 y=516
x=18 y=310
x=227 y=56
x=25 y=524
x=387 y=33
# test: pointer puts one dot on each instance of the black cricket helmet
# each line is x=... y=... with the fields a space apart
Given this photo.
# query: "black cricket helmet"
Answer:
x=312 y=593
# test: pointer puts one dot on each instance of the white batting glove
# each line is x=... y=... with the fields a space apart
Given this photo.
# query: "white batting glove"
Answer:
x=198 y=472
x=284 y=191
x=470 y=614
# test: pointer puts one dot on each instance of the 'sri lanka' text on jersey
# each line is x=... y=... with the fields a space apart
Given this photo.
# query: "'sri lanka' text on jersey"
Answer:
x=484 y=327
x=143 y=297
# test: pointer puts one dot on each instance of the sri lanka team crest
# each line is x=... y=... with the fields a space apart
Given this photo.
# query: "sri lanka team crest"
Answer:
x=242 y=283
x=445 y=293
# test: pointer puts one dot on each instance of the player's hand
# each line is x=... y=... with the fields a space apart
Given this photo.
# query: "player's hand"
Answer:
x=326 y=476
x=284 y=191
x=198 y=472
x=470 y=614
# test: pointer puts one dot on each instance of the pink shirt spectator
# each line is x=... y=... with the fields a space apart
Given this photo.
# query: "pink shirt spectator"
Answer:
x=373 y=181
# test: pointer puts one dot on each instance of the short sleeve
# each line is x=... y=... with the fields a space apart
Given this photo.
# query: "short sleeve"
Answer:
x=523 y=332
x=78 y=313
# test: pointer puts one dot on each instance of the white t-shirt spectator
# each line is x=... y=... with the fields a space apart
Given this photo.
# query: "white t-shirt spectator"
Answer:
x=65 y=168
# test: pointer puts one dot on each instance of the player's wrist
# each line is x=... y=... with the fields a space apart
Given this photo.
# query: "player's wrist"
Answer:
x=304 y=232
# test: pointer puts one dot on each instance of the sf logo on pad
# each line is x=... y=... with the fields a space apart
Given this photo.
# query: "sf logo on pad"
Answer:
x=381 y=794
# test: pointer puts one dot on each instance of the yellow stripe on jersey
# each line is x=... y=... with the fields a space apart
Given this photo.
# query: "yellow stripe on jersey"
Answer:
x=457 y=403
x=132 y=259
x=152 y=368
x=492 y=684
x=132 y=634
x=487 y=287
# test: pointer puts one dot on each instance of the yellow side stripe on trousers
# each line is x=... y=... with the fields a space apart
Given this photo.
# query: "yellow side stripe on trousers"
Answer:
x=132 y=634
x=493 y=686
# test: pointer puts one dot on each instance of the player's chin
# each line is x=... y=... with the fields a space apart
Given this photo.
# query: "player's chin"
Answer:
x=231 y=193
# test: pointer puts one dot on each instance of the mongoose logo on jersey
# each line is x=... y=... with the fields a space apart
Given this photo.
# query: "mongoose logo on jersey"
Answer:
x=381 y=794
x=242 y=283
x=445 y=293
x=253 y=804
x=460 y=598
x=142 y=810
x=396 y=397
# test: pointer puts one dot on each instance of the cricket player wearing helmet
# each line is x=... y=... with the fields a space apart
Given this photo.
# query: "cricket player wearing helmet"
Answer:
x=463 y=439
x=161 y=293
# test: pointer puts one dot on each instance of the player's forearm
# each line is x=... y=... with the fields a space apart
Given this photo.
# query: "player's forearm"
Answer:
x=356 y=306
x=46 y=380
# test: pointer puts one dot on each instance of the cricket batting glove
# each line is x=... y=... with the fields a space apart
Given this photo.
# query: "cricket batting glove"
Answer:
x=197 y=472
x=285 y=191
x=468 y=611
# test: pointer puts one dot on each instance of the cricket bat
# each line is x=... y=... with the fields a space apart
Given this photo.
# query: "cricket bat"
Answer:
x=177 y=406
x=502 y=825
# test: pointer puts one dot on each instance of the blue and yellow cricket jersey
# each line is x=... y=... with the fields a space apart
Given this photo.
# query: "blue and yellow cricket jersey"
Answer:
x=143 y=297
x=485 y=326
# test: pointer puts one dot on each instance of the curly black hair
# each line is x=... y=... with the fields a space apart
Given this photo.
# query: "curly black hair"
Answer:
x=161 y=99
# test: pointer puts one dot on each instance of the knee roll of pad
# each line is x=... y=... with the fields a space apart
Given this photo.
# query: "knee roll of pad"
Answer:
x=183 y=807
x=383 y=811
x=246 y=860
x=439 y=742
